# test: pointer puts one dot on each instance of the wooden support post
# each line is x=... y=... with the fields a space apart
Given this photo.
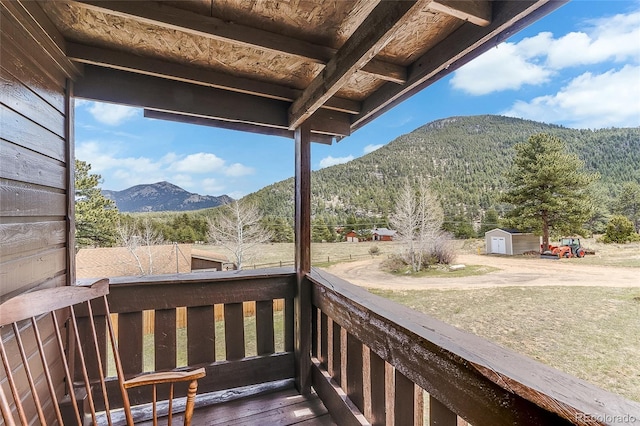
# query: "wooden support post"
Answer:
x=303 y=258
x=70 y=183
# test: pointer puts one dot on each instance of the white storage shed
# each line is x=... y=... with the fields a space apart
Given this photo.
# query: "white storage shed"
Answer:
x=508 y=241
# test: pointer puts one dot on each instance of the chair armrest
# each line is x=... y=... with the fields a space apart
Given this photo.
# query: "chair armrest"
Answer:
x=165 y=377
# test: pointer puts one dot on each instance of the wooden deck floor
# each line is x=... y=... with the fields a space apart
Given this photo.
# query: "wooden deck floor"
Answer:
x=283 y=407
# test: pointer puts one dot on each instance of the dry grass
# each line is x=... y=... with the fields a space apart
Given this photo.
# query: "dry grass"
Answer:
x=321 y=253
x=590 y=332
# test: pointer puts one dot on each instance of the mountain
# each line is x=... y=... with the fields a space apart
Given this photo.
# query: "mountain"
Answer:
x=463 y=157
x=162 y=196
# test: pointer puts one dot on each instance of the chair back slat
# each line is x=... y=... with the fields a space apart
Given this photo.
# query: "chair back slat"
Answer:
x=5 y=409
x=83 y=365
x=12 y=385
x=67 y=372
x=27 y=370
x=47 y=373
x=118 y=363
x=101 y=375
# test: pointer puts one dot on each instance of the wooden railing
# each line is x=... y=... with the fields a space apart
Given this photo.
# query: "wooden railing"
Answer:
x=373 y=361
x=376 y=362
x=238 y=351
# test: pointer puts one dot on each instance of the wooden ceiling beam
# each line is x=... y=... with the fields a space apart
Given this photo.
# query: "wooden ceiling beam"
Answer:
x=465 y=44
x=30 y=16
x=369 y=38
x=165 y=16
x=160 y=68
x=477 y=12
x=230 y=125
x=142 y=91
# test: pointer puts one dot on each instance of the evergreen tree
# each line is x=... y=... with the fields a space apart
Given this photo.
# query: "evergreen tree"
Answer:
x=96 y=215
x=620 y=230
x=628 y=203
x=489 y=222
x=548 y=188
x=281 y=230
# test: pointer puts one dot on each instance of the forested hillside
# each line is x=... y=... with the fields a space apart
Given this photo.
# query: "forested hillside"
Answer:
x=463 y=157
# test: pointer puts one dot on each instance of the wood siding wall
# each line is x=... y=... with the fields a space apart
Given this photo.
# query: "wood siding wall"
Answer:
x=35 y=155
x=36 y=243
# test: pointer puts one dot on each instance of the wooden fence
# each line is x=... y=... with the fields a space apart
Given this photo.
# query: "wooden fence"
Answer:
x=148 y=317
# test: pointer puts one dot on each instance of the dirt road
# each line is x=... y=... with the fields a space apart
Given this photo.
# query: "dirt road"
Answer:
x=516 y=271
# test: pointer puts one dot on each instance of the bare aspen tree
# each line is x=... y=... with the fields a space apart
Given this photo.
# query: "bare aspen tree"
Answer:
x=418 y=220
x=139 y=243
x=238 y=229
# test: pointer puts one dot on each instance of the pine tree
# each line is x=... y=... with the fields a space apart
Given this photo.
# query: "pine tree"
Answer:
x=548 y=188
x=96 y=215
x=629 y=203
x=489 y=222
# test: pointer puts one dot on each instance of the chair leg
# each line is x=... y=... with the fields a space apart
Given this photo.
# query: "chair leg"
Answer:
x=191 y=401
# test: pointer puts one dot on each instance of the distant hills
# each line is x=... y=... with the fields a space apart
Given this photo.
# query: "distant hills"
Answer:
x=463 y=157
x=162 y=196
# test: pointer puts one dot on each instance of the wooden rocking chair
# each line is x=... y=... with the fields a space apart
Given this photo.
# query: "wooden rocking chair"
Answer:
x=48 y=339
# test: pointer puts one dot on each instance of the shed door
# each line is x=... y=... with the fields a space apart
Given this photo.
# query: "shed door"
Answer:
x=498 y=245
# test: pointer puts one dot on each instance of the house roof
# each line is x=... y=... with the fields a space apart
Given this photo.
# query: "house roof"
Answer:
x=208 y=255
x=119 y=261
x=268 y=66
x=509 y=231
x=384 y=232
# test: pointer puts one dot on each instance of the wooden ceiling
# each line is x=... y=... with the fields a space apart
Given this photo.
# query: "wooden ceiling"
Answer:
x=267 y=66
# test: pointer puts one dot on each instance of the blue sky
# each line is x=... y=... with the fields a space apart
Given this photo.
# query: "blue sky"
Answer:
x=578 y=67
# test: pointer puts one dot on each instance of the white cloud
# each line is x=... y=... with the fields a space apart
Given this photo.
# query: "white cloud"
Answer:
x=237 y=170
x=504 y=68
x=370 y=148
x=124 y=172
x=332 y=161
x=589 y=101
x=202 y=162
x=535 y=60
x=211 y=186
x=111 y=114
x=182 y=180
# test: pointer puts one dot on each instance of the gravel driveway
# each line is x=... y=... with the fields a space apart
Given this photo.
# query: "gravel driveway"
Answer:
x=513 y=271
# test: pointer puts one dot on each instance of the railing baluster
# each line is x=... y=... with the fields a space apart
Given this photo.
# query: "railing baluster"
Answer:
x=234 y=331
x=315 y=333
x=336 y=370
x=265 y=343
x=404 y=400
x=354 y=372
x=201 y=335
x=440 y=415
x=165 y=339
x=324 y=342
x=378 y=386
x=131 y=353
x=288 y=325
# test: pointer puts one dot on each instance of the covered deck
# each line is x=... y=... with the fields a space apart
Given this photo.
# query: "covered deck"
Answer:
x=311 y=71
